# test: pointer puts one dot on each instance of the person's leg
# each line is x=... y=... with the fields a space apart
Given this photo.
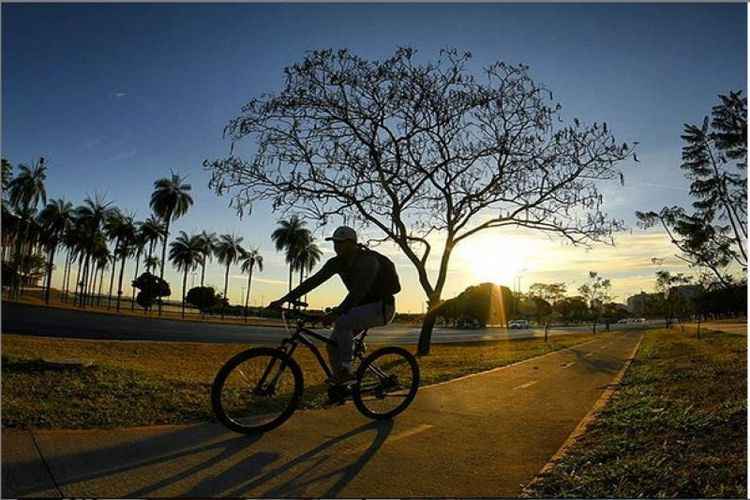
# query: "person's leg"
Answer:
x=358 y=318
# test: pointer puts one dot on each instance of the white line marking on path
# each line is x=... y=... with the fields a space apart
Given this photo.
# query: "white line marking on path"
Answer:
x=527 y=384
x=568 y=365
x=402 y=435
x=589 y=354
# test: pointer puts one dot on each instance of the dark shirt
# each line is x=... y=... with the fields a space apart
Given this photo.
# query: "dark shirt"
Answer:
x=358 y=275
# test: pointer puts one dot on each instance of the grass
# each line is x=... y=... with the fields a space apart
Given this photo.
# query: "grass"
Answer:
x=146 y=383
x=171 y=312
x=676 y=428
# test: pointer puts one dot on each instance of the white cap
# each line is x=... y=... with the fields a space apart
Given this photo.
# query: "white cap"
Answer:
x=343 y=233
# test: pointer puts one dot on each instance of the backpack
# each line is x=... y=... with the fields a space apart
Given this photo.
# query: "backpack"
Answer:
x=386 y=283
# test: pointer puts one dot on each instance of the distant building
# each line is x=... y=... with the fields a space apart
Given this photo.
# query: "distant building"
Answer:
x=638 y=305
x=686 y=292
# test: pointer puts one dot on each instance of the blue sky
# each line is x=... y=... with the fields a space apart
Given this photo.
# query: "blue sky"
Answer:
x=117 y=95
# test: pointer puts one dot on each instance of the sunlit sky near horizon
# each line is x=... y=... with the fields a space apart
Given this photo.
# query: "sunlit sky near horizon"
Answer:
x=115 y=96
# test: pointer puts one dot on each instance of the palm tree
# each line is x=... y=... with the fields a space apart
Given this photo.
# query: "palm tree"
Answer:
x=56 y=218
x=153 y=230
x=170 y=200
x=139 y=243
x=151 y=262
x=71 y=240
x=11 y=225
x=91 y=217
x=113 y=228
x=227 y=251
x=307 y=256
x=208 y=242
x=26 y=190
x=126 y=237
x=185 y=254
x=290 y=236
x=102 y=257
x=249 y=259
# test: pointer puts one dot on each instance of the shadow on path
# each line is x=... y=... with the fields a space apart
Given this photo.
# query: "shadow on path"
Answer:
x=311 y=461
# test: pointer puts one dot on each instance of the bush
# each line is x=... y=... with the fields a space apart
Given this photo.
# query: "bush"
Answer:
x=203 y=297
x=152 y=289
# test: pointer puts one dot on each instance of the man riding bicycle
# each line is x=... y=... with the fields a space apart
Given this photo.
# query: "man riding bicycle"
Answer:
x=371 y=281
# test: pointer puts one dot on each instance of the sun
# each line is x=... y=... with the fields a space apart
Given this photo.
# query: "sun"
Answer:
x=495 y=259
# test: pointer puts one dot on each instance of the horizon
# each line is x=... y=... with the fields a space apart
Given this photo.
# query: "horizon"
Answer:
x=157 y=93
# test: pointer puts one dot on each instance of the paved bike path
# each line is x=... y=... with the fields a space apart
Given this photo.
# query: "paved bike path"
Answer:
x=484 y=435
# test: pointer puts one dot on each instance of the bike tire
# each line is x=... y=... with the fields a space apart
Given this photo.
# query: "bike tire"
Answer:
x=358 y=391
x=224 y=373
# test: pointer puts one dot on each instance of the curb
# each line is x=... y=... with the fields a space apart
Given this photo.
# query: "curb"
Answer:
x=585 y=422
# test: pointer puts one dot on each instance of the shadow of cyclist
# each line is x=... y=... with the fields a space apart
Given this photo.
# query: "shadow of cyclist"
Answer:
x=312 y=461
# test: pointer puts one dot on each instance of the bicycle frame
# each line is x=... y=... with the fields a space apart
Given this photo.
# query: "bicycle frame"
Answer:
x=302 y=336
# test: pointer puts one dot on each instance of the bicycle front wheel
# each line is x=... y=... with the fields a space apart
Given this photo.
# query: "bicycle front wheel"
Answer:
x=387 y=382
x=257 y=390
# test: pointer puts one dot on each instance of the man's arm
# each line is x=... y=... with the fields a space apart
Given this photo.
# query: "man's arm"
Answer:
x=363 y=277
x=311 y=283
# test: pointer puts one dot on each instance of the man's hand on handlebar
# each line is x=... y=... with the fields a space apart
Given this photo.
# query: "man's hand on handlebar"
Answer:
x=330 y=317
x=276 y=305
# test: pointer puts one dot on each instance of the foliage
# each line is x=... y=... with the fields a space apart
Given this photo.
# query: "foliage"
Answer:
x=203 y=297
x=596 y=293
x=714 y=235
x=152 y=289
x=414 y=149
x=572 y=308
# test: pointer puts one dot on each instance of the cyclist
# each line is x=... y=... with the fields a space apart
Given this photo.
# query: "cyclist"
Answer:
x=371 y=281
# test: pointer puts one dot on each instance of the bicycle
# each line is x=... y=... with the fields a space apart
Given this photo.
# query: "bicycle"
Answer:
x=258 y=389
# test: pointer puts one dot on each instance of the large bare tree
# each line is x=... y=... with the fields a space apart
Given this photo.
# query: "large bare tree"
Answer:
x=420 y=152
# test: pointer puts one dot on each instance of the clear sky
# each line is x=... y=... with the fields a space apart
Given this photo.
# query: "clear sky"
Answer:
x=116 y=96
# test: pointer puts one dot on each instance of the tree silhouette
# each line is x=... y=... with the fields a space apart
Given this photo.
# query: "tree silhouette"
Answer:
x=714 y=235
x=227 y=251
x=423 y=154
x=170 y=200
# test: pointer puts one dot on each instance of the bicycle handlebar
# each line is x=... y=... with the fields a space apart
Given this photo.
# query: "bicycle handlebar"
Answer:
x=300 y=317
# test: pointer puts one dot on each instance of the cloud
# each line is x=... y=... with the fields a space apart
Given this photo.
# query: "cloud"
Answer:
x=118 y=95
x=123 y=155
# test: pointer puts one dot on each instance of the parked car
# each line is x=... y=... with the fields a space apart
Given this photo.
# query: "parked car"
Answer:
x=518 y=323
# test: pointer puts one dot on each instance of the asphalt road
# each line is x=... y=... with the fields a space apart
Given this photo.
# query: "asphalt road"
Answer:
x=50 y=322
x=483 y=435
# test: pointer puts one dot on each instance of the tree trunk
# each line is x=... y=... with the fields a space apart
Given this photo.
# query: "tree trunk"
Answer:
x=119 y=281
x=247 y=296
x=150 y=251
x=203 y=269
x=66 y=275
x=77 y=296
x=101 y=282
x=111 y=281
x=291 y=271
x=226 y=300
x=49 y=274
x=425 y=336
x=164 y=253
x=184 y=284
x=546 y=332
x=85 y=281
x=135 y=277
x=92 y=284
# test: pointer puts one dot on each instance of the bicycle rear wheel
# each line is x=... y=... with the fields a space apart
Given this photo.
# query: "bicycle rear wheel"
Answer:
x=387 y=382
x=257 y=390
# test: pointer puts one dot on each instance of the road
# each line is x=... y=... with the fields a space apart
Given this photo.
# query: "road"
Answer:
x=50 y=322
x=483 y=435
